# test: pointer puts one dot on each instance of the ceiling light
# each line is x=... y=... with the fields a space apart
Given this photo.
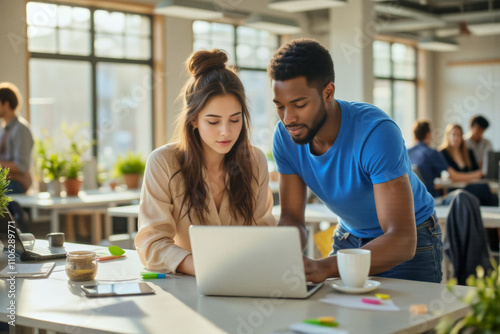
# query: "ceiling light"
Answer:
x=188 y=9
x=484 y=29
x=277 y=25
x=303 y=5
x=437 y=44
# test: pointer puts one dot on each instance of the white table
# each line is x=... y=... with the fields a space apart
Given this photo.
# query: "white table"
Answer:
x=94 y=200
x=448 y=184
x=178 y=308
x=316 y=213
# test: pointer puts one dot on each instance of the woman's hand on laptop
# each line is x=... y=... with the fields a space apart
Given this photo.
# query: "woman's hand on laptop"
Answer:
x=319 y=270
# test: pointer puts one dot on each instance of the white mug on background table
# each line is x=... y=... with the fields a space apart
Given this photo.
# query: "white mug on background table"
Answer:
x=354 y=266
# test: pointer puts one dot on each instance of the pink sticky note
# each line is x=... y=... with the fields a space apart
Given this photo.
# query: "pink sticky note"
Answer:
x=371 y=301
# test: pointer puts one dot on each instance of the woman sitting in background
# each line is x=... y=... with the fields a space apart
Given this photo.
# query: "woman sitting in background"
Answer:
x=455 y=151
x=462 y=159
x=210 y=175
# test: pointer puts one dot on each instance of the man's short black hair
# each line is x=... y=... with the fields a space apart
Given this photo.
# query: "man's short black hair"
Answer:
x=421 y=129
x=480 y=121
x=9 y=94
x=303 y=57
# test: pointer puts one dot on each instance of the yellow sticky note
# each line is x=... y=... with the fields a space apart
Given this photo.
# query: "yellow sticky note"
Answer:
x=382 y=296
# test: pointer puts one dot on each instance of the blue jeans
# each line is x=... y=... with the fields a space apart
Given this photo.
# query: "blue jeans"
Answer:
x=425 y=265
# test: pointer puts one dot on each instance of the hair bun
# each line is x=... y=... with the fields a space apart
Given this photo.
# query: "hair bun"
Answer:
x=201 y=62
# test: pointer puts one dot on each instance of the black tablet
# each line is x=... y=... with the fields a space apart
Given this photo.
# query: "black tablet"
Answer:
x=119 y=289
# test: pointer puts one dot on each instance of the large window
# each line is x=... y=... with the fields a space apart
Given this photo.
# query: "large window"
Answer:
x=94 y=67
x=250 y=51
x=395 y=86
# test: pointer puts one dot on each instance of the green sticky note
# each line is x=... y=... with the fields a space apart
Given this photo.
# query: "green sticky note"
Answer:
x=115 y=250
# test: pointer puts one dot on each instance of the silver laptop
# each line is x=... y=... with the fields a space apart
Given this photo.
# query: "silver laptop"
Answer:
x=249 y=261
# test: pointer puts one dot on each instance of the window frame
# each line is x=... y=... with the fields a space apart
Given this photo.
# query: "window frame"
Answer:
x=392 y=79
x=94 y=60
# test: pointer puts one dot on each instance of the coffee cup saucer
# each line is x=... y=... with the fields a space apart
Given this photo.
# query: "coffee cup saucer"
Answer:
x=339 y=285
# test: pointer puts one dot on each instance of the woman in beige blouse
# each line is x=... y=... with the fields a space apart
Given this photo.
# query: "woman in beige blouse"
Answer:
x=210 y=175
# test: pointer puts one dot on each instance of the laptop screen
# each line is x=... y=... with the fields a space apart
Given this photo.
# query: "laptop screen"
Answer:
x=493 y=161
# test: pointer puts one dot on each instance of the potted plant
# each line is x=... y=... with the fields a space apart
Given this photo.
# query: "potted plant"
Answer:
x=130 y=167
x=51 y=166
x=73 y=175
x=65 y=163
x=484 y=303
x=77 y=146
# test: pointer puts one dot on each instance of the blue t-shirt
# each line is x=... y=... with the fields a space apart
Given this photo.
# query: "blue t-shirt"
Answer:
x=430 y=163
x=369 y=149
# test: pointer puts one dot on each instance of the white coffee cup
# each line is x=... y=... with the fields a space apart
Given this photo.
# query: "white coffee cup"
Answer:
x=354 y=266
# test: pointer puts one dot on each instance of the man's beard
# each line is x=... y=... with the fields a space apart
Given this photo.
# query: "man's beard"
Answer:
x=313 y=130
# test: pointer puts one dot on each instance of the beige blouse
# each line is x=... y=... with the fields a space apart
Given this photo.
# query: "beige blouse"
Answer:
x=163 y=239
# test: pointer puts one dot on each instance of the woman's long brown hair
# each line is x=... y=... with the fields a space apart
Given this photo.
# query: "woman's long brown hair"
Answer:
x=464 y=151
x=210 y=78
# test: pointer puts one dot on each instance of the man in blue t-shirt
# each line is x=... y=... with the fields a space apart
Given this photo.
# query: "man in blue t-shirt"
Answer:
x=431 y=162
x=353 y=157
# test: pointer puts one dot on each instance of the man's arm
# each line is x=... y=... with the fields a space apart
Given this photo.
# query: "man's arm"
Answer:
x=293 y=193
x=10 y=165
x=395 y=212
x=464 y=176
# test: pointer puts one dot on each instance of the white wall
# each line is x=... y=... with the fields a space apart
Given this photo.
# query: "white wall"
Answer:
x=13 y=58
x=461 y=92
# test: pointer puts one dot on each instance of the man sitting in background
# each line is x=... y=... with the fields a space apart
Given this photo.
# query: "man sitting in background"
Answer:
x=430 y=162
x=477 y=143
x=16 y=141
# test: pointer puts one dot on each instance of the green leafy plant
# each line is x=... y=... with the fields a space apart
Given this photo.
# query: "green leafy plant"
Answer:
x=131 y=163
x=74 y=167
x=484 y=302
x=51 y=165
x=66 y=162
x=4 y=182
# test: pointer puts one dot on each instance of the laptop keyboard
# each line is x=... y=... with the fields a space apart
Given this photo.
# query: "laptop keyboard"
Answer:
x=311 y=286
x=47 y=251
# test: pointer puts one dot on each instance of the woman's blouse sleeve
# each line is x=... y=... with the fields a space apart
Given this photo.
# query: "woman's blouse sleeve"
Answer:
x=157 y=226
x=264 y=197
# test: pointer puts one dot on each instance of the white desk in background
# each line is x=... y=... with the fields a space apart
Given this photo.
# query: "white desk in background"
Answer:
x=178 y=308
x=93 y=199
x=316 y=213
x=444 y=185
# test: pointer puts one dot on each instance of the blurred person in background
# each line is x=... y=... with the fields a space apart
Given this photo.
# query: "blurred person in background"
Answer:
x=475 y=141
x=431 y=163
x=16 y=140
